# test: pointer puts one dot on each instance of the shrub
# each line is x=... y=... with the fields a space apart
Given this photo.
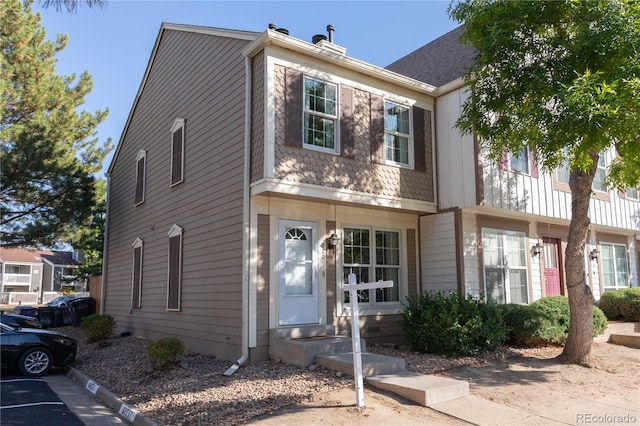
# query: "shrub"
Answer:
x=452 y=325
x=599 y=321
x=524 y=323
x=623 y=304
x=97 y=327
x=165 y=353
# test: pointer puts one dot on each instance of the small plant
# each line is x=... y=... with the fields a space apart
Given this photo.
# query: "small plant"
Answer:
x=165 y=353
x=452 y=325
x=621 y=305
x=98 y=327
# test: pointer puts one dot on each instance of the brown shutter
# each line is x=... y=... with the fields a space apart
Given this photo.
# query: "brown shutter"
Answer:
x=173 y=296
x=347 y=125
x=176 y=159
x=420 y=162
x=140 y=180
x=137 y=277
x=294 y=90
x=377 y=129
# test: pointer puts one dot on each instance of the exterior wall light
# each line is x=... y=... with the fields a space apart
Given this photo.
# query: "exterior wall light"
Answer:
x=594 y=254
x=537 y=249
x=333 y=240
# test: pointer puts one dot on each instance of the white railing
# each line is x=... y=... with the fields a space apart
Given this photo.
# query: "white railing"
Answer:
x=17 y=279
x=31 y=298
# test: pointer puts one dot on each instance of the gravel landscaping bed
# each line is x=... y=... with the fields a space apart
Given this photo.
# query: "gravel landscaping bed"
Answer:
x=197 y=393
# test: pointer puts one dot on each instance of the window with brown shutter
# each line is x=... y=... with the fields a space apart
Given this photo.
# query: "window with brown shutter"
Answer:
x=141 y=165
x=136 y=287
x=174 y=283
x=177 y=151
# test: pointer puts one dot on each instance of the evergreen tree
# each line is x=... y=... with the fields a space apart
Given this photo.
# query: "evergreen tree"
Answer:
x=563 y=78
x=49 y=151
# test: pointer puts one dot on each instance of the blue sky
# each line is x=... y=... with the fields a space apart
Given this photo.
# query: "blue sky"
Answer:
x=113 y=44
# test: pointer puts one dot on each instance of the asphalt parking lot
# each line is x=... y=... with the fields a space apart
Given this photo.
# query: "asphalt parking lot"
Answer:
x=26 y=401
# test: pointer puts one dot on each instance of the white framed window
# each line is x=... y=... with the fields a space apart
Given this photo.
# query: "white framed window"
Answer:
x=174 y=280
x=601 y=174
x=177 y=151
x=615 y=267
x=141 y=171
x=136 y=279
x=519 y=161
x=320 y=120
x=398 y=142
x=372 y=255
x=632 y=192
x=563 y=173
x=504 y=259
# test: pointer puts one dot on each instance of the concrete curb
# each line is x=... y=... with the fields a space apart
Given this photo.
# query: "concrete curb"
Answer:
x=125 y=411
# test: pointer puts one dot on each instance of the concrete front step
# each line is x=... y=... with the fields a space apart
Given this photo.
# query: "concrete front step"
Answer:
x=304 y=350
x=621 y=333
x=421 y=388
x=372 y=364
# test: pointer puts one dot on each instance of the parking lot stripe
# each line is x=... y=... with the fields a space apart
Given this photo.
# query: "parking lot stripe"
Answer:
x=33 y=404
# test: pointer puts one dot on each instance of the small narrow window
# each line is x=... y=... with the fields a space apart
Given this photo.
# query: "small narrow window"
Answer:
x=632 y=192
x=601 y=174
x=320 y=115
x=397 y=134
x=177 y=151
x=141 y=170
x=174 y=283
x=136 y=286
x=519 y=161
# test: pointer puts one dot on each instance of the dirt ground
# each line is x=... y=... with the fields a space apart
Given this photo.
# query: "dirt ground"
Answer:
x=535 y=383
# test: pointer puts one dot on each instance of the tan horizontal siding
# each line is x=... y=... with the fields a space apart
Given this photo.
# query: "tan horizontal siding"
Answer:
x=199 y=78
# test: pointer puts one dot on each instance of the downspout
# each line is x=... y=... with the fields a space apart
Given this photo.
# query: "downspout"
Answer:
x=245 y=223
x=105 y=237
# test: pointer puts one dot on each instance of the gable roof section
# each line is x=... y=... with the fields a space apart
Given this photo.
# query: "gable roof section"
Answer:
x=64 y=258
x=220 y=32
x=16 y=254
x=439 y=62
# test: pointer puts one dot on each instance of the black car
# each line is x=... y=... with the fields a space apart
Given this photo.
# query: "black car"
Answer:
x=20 y=321
x=34 y=351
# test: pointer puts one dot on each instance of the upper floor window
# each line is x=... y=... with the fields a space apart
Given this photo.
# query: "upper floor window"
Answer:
x=615 y=269
x=320 y=114
x=397 y=134
x=372 y=255
x=601 y=174
x=141 y=167
x=632 y=192
x=519 y=161
x=563 y=172
x=177 y=151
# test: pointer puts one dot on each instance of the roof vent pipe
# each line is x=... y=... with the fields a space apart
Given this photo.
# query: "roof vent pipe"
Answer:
x=318 y=38
x=272 y=26
x=330 y=29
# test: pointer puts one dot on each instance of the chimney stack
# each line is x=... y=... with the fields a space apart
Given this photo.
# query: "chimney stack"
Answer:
x=330 y=31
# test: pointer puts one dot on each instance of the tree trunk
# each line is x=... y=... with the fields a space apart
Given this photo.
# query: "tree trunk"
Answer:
x=577 y=349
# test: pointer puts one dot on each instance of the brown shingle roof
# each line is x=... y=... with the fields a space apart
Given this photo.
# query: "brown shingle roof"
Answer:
x=439 y=62
x=16 y=254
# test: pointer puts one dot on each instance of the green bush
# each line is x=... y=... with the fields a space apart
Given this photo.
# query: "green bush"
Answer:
x=97 y=327
x=621 y=305
x=545 y=321
x=452 y=325
x=165 y=353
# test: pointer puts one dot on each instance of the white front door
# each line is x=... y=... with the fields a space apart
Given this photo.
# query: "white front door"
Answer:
x=298 y=301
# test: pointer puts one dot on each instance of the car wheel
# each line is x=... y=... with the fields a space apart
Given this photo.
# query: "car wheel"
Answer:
x=35 y=362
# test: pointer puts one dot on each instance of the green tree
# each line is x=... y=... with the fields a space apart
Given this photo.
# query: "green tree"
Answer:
x=563 y=78
x=71 y=5
x=49 y=151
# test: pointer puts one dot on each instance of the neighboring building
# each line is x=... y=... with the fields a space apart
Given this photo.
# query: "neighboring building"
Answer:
x=37 y=271
x=257 y=170
x=501 y=229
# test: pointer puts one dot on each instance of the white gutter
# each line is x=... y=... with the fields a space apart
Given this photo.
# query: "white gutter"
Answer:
x=245 y=224
x=105 y=237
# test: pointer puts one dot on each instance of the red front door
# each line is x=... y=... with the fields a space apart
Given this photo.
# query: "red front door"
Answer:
x=552 y=279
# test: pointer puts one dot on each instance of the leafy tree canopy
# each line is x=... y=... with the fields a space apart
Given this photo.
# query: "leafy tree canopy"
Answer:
x=49 y=152
x=562 y=77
